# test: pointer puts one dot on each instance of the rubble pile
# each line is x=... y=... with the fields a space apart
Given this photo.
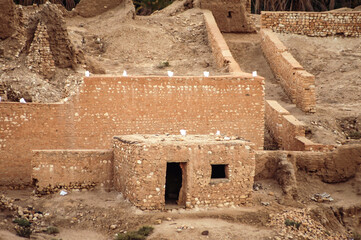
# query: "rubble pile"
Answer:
x=59 y=187
x=40 y=58
x=28 y=213
x=298 y=224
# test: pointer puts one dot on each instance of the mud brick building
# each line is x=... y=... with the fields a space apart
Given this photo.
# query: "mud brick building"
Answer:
x=195 y=170
x=231 y=15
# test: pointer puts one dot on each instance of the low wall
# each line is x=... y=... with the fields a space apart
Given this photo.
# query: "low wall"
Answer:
x=53 y=167
x=109 y=106
x=288 y=132
x=337 y=166
x=220 y=50
x=298 y=84
x=320 y=24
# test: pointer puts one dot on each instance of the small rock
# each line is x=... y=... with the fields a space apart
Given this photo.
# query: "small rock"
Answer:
x=169 y=219
x=113 y=226
x=205 y=233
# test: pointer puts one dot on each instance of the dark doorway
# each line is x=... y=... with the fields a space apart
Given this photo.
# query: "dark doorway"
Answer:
x=173 y=183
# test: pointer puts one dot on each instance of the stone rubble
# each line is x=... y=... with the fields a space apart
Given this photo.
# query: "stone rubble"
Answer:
x=308 y=229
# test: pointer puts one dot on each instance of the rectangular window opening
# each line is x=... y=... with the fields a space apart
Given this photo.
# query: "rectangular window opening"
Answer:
x=219 y=171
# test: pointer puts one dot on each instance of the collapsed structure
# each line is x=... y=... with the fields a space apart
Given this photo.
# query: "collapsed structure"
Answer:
x=109 y=132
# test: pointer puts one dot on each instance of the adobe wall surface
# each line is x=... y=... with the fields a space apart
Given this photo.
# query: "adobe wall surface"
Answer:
x=288 y=132
x=24 y=127
x=220 y=49
x=320 y=24
x=231 y=15
x=141 y=162
x=299 y=85
x=109 y=106
x=53 y=167
x=336 y=166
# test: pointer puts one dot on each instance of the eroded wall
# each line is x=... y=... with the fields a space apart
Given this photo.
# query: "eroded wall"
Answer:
x=288 y=131
x=320 y=24
x=332 y=167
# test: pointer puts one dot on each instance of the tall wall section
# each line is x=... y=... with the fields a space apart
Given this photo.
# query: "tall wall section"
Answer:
x=108 y=106
x=320 y=24
x=24 y=127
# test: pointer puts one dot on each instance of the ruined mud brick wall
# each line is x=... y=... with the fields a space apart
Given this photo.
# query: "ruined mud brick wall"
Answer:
x=288 y=132
x=111 y=106
x=220 y=49
x=24 y=127
x=299 y=85
x=332 y=167
x=140 y=170
x=53 y=167
x=3 y=93
x=320 y=24
x=231 y=15
x=8 y=18
x=40 y=58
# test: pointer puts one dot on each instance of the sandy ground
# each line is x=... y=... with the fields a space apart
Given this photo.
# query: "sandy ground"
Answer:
x=141 y=45
x=336 y=63
x=90 y=214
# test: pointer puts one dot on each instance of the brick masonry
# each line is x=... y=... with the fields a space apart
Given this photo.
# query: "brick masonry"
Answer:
x=140 y=170
x=289 y=132
x=231 y=15
x=53 y=167
x=109 y=106
x=40 y=58
x=220 y=49
x=299 y=85
x=320 y=24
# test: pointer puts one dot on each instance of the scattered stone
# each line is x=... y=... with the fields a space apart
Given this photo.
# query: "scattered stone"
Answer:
x=257 y=186
x=322 y=197
x=265 y=203
x=113 y=227
x=205 y=233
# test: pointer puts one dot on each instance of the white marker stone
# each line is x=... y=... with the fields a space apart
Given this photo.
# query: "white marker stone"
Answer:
x=206 y=74
x=170 y=74
x=87 y=73
x=254 y=73
x=183 y=132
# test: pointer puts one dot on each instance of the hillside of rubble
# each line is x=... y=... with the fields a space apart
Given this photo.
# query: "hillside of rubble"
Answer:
x=45 y=50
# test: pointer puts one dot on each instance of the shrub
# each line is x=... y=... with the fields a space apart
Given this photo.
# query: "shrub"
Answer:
x=141 y=234
x=52 y=230
x=292 y=223
x=356 y=236
x=22 y=222
x=145 y=230
x=23 y=232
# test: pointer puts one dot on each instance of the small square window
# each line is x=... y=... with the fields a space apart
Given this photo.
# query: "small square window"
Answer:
x=219 y=171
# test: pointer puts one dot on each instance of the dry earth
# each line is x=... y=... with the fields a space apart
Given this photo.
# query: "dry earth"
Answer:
x=100 y=215
x=336 y=63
